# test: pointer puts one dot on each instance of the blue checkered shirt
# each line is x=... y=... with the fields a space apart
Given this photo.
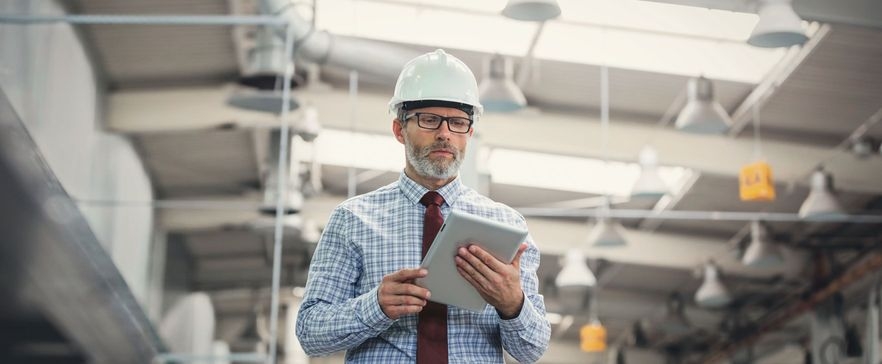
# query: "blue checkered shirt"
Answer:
x=372 y=235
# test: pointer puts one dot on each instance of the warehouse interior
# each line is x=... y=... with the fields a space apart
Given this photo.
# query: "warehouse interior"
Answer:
x=142 y=143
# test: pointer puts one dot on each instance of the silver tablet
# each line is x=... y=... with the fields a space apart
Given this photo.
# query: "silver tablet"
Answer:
x=460 y=229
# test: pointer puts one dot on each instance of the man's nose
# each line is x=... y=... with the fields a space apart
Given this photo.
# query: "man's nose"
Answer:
x=443 y=131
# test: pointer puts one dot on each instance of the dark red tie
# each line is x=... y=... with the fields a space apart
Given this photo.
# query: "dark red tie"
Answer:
x=432 y=324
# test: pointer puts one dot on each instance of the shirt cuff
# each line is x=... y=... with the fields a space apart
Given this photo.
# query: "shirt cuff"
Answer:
x=520 y=322
x=370 y=313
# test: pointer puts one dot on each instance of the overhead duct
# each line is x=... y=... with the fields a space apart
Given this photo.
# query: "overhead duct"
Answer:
x=268 y=144
x=372 y=58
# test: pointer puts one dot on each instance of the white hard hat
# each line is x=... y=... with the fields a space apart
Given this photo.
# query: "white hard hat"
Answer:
x=436 y=76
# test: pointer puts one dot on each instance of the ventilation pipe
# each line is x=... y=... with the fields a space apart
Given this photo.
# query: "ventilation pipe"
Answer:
x=373 y=58
x=268 y=144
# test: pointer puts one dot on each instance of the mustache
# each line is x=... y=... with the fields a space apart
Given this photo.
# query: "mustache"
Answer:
x=440 y=145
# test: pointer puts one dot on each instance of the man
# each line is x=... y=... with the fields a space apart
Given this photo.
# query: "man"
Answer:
x=361 y=296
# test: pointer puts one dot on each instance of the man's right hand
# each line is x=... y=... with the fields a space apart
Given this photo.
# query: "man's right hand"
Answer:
x=399 y=296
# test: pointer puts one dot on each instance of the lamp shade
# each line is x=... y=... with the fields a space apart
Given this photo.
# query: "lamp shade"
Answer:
x=607 y=232
x=778 y=26
x=821 y=201
x=270 y=101
x=498 y=91
x=762 y=252
x=650 y=183
x=309 y=126
x=702 y=113
x=712 y=292
x=575 y=272
x=675 y=321
x=574 y=281
x=531 y=10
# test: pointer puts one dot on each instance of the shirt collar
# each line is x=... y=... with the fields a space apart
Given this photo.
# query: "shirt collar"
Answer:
x=415 y=191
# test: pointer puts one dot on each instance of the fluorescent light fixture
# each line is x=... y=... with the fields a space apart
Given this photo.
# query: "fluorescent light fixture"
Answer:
x=779 y=26
x=821 y=201
x=498 y=91
x=702 y=113
x=762 y=252
x=712 y=292
x=531 y=10
x=607 y=232
x=649 y=184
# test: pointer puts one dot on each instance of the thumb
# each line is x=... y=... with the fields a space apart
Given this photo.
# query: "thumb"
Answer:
x=516 y=262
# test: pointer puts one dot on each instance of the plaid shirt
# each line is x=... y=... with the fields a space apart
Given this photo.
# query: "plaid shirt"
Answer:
x=372 y=235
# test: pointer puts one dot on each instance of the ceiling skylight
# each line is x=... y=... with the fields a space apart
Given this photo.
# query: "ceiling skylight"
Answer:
x=547 y=171
x=566 y=173
x=629 y=34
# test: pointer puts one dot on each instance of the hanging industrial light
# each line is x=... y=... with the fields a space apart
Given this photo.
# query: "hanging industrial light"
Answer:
x=607 y=232
x=778 y=25
x=531 y=10
x=702 y=113
x=574 y=281
x=575 y=273
x=821 y=201
x=263 y=73
x=650 y=183
x=675 y=321
x=498 y=91
x=712 y=292
x=761 y=252
x=309 y=126
x=291 y=193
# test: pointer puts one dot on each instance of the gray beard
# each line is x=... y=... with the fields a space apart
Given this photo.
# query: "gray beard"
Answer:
x=419 y=159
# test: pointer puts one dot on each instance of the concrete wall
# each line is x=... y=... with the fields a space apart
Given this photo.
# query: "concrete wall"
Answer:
x=52 y=84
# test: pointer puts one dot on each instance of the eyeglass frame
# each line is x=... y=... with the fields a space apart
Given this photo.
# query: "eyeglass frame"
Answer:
x=443 y=119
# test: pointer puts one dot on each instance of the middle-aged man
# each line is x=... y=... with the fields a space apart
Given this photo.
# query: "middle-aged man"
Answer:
x=361 y=296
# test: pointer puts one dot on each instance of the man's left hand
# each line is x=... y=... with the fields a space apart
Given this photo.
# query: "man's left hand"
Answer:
x=498 y=283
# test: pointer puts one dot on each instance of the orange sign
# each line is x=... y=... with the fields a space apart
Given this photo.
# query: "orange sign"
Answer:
x=755 y=182
x=593 y=337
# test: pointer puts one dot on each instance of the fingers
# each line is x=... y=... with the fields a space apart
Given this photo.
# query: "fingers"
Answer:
x=405 y=275
x=517 y=258
x=488 y=259
x=470 y=273
x=398 y=296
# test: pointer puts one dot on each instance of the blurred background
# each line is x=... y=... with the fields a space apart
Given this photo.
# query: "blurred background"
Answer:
x=703 y=178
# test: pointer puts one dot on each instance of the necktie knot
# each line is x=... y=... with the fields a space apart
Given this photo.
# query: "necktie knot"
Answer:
x=432 y=198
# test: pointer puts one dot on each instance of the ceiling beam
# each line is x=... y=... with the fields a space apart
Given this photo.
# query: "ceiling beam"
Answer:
x=855 y=12
x=553 y=236
x=144 y=111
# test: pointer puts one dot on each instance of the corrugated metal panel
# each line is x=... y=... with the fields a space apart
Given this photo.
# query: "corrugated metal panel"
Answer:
x=137 y=55
x=835 y=89
x=200 y=163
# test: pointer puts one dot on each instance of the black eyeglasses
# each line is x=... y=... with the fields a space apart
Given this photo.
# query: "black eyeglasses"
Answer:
x=455 y=124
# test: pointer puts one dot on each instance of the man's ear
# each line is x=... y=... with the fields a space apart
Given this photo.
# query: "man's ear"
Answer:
x=398 y=130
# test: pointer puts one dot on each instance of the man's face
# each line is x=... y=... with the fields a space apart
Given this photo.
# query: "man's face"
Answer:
x=434 y=153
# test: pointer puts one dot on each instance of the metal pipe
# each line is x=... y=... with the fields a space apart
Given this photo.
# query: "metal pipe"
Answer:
x=781 y=317
x=148 y=19
x=280 y=203
x=186 y=358
x=697 y=215
x=371 y=58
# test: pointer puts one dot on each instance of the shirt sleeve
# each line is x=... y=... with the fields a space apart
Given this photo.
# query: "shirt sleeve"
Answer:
x=526 y=336
x=333 y=316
